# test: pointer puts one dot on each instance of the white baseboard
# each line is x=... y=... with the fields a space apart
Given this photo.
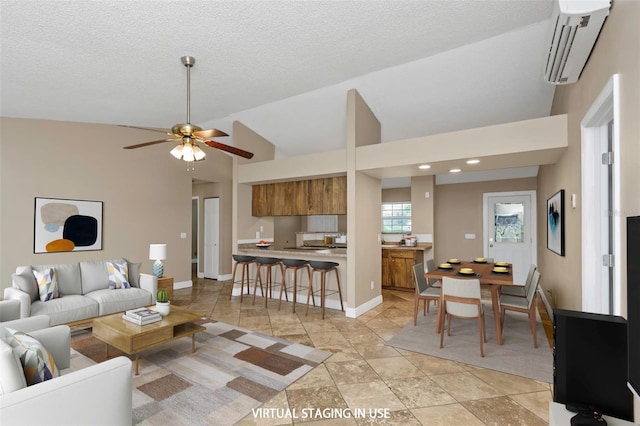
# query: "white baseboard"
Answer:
x=224 y=277
x=329 y=302
x=359 y=310
x=200 y=275
x=182 y=284
x=301 y=299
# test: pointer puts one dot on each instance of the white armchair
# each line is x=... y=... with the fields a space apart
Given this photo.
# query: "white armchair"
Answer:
x=96 y=395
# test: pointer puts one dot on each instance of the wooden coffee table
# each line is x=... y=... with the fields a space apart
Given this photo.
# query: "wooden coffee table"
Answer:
x=132 y=339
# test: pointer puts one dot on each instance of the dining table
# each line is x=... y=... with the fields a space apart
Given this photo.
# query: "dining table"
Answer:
x=484 y=272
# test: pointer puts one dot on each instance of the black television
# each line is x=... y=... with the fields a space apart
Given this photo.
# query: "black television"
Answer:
x=633 y=301
x=590 y=362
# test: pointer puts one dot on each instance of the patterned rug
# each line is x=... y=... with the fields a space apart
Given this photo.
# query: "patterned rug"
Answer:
x=515 y=356
x=233 y=371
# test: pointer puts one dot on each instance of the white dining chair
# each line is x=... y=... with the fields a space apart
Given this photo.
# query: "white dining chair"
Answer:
x=525 y=305
x=431 y=265
x=519 y=290
x=423 y=292
x=461 y=299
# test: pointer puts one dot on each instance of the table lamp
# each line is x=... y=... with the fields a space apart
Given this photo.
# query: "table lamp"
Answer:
x=158 y=252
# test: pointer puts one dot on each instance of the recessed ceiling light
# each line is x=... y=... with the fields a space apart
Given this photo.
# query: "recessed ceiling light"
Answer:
x=455 y=171
x=424 y=166
x=473 y=161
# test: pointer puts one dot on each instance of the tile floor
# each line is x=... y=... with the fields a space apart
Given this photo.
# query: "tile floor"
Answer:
x=407 y=388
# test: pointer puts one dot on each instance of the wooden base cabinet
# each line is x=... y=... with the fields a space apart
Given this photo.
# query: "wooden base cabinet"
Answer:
x=397 y=267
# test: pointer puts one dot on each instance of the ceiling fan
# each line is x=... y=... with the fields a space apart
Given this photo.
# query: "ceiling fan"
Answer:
x=189 y=135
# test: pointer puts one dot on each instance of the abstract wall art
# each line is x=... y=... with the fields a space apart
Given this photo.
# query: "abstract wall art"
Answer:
x=555 y=223
x=67 y=225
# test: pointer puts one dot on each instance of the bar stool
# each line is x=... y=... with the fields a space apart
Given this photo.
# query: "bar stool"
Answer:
x=323 y=268
x=295 y=265
x=269 y=263
x=244 y=262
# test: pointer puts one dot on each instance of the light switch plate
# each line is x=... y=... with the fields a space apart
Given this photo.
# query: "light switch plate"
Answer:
x=469 y=236
x=183 y=235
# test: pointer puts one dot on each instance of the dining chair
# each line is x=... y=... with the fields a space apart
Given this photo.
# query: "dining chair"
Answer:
x=423 y=291
x=525 y=305
x=461 y=299
x=431 y=265
x=519 y=290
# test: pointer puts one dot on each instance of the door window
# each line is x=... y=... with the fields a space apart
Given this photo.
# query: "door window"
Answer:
x=509 y=220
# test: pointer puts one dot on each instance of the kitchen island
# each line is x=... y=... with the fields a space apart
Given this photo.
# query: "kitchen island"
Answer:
x=324 y=254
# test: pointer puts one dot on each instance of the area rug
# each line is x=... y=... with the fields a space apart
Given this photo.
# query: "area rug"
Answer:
x=233 y=371
x=516 y=355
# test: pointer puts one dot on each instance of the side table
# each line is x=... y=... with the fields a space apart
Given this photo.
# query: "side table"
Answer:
x=166 y=283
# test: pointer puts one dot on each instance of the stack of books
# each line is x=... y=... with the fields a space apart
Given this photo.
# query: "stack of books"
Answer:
x=141 y=316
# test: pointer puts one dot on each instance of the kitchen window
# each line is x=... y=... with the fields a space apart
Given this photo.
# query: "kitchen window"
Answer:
x=396 y=217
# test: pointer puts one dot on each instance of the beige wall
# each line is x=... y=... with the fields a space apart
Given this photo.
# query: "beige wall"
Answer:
x=146 y=192
x=221 y=190
x=396 y=195
x=364 y=262
x=422 y=207
x=458 y=211
x=615 y=52
x=245 y=225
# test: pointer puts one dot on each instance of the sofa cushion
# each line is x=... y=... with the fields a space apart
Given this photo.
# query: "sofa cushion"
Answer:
x=68 y=277
x=47 y=284
x=37 y=362
x=11 y=373
x=134 y=273
x=121 y=300
x=66 y=309
x=26 y=282
x=118 y=275
x=94 y=276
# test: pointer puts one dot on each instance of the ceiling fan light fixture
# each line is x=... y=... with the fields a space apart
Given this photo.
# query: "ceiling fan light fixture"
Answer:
x=187 y=152
x=177 y=151
x=198 y=153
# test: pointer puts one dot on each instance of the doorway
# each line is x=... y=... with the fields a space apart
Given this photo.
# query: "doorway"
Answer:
x=601 y=242
x=195 y=237
x=510 y=230
x=211 y=237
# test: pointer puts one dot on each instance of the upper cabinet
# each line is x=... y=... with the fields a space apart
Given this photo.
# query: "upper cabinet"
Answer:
x=301 y=198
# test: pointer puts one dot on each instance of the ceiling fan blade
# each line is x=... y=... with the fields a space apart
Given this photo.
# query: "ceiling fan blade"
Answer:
x=140 y=145
x=151 y=129
x=230 y=149
x=211 y=133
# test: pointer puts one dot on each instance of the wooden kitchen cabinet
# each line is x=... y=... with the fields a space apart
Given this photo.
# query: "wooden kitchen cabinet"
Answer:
x=397 y=267
x=300 y=198
x=259 y=202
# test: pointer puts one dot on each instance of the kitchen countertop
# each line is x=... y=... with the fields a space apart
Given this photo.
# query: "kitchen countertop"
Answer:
x=420 y=246
x=251 y=249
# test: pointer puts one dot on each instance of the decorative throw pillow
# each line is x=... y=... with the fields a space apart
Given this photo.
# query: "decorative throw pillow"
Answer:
x=37 y=362
x=134 y=273
x=47 y=280
x=26 y=282
x=118 y=275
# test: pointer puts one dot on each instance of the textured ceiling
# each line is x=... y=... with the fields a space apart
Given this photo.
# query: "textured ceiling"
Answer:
x=280 y=67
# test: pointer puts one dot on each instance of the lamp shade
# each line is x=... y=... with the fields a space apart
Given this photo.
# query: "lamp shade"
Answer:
x=157 y=251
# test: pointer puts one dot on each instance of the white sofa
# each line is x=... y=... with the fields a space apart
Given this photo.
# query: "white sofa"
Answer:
x=84 y=289
x=97 y=395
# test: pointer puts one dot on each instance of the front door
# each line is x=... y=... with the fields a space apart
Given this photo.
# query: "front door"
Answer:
x=510 y=230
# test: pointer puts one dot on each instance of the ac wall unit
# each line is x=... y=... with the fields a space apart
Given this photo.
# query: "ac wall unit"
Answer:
x=575 y=25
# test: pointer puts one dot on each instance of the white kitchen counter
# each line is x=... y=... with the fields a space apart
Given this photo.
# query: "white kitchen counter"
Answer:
x=291 y=253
